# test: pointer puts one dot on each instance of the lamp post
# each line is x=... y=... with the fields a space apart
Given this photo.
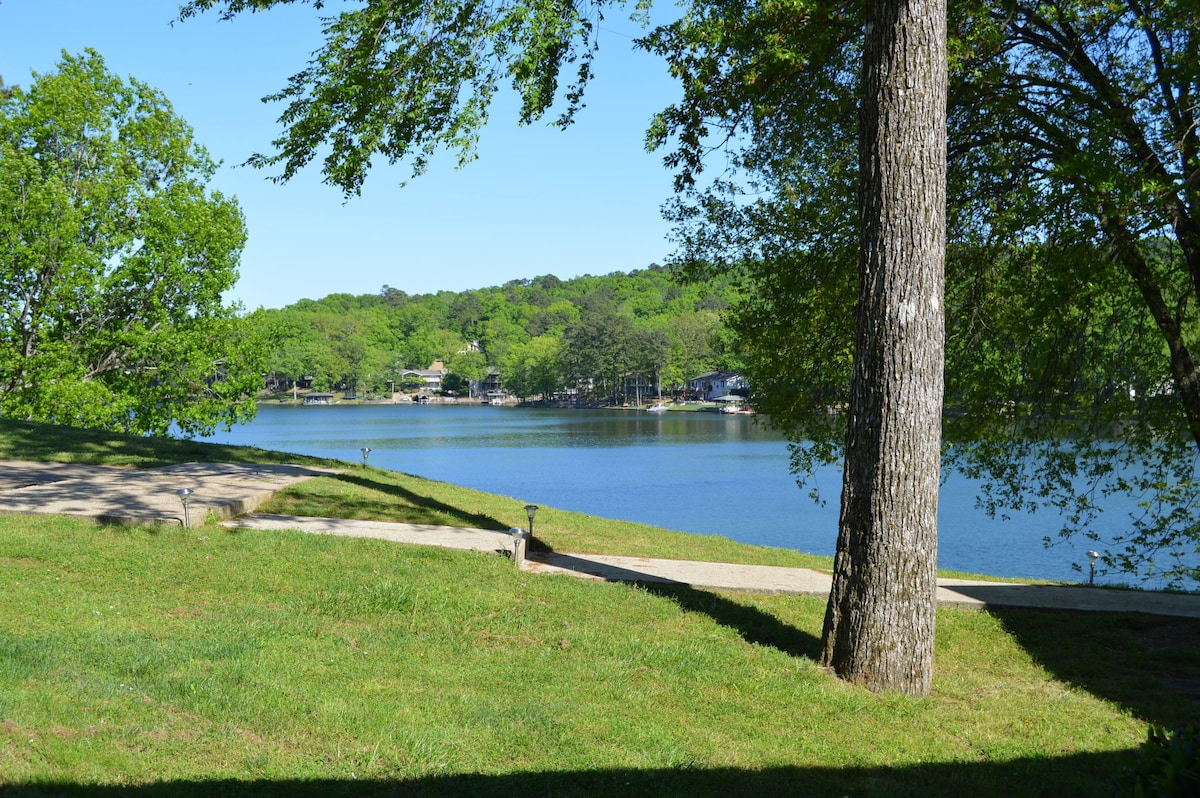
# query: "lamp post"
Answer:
x=185 y=496
x=530 y=509
x=366 y=450
x=1092 y=557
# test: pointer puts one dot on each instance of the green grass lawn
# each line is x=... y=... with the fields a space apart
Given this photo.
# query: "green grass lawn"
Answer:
x=157 y=661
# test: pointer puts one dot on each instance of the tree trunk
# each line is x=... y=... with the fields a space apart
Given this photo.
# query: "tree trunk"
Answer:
x=879 y=625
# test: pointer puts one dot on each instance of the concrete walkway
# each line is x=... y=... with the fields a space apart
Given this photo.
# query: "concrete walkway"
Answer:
x=729 y=576
x=115 y=495
x=230 y=491
x=804 y=581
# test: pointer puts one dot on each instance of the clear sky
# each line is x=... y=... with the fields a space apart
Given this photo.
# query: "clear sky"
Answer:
x=538 y=201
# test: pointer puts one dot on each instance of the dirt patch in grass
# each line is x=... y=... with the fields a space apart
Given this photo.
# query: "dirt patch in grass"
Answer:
x=1188 y=689
x=1170 y=636
x=1175 y=647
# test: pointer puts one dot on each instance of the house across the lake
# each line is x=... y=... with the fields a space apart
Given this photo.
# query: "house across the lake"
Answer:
x=432 y=376
x=318 y=399
x=490 y=386
x=716 y=384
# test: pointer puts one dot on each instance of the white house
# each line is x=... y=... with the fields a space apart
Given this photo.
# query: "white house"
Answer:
x=432 y=376
x=715 y=384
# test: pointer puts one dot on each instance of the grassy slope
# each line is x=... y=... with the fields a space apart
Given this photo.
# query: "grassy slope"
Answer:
x=173 y=662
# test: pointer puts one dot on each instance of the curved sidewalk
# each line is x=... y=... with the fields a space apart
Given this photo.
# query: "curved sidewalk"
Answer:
x=733 y=577
x=803 y=581
x=225 y=490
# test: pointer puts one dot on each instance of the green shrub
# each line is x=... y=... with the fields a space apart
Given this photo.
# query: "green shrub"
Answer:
x=1168 y=764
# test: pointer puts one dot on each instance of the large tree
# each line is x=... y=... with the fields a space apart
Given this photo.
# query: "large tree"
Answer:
x=532 y=368
x=113 y=259
x=390 y=80
x=1073 y=298
x=879 y=625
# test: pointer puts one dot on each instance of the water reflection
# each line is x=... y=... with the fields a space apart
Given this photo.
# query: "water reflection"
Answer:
x=437 y=427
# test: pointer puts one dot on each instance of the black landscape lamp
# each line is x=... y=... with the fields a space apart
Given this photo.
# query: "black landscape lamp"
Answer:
x=1092 y=557
x=185 y=496
x=530 y=509
x=366 y=450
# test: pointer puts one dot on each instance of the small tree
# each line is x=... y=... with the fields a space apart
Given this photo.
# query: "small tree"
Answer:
x=470 y=367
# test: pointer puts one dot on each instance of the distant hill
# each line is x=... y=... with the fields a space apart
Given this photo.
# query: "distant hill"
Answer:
x=605 y=338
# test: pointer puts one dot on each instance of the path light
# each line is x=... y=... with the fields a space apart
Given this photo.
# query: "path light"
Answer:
x=366 y=450
x=185 y=496
x=520 y=544
x=530 y=509
x=1092 y=557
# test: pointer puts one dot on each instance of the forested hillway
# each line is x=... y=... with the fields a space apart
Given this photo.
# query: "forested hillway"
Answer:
x=598 y=335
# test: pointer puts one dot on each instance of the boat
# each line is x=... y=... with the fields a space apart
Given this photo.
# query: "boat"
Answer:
x=657 y=408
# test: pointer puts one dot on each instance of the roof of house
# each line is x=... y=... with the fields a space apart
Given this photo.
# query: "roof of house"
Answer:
x=716 y=375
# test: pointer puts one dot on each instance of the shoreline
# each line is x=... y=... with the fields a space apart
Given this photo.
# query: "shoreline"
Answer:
x=674 y=407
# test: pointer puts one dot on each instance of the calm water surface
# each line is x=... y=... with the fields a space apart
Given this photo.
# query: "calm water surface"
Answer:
x=696 y=472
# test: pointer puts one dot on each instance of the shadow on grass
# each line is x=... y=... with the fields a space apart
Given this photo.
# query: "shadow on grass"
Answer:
x=1149 y=664
x=1146 y=663
x=434 y=511
x=23 y=440
x=1080 y=774
x=751 y=623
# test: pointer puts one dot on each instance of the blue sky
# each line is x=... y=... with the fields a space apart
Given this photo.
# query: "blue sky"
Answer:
x=538 y=201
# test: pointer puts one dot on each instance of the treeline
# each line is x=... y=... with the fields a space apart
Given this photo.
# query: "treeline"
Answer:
x=605 y=337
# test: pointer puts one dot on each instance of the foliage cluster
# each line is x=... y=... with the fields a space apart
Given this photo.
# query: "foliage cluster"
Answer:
x=1168 y=764
x=114 y=255
x=603 y=336
x=402 y=81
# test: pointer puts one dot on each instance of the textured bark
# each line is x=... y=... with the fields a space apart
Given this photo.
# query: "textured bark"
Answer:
x=879 y=625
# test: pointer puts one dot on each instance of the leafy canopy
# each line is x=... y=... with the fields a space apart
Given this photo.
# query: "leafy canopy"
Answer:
x=403 y=80
x=114 y=259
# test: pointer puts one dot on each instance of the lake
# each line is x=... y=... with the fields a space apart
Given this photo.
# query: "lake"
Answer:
x=696 y=472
